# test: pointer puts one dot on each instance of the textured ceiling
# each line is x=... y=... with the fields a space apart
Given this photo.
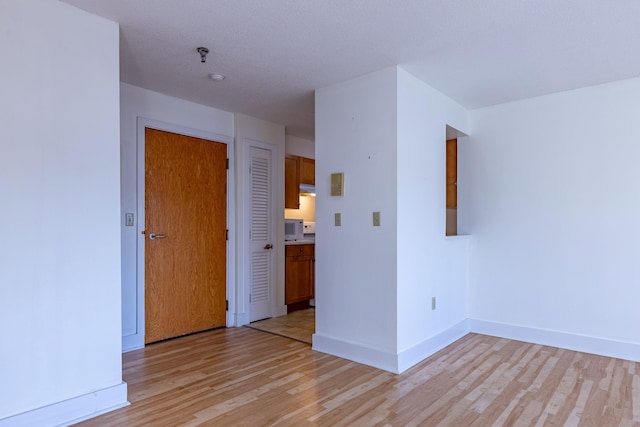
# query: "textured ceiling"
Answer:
x=275 y=53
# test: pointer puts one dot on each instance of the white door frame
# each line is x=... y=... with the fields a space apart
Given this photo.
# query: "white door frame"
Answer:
x=137 y=340
x=246 y=220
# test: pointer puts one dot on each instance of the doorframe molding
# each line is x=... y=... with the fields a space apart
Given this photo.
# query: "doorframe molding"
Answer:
x=137 y=340
x=244 y=260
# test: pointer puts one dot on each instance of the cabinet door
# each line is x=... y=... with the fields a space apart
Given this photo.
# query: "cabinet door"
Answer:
x=291 y=182
x=452 y=173
x=299 y=271
x=307 y=171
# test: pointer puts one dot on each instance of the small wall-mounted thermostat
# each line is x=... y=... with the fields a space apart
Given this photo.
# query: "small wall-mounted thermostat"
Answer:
x=337 y=184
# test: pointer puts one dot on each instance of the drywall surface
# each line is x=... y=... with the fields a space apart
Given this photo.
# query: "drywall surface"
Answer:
x=300 y=147
x=553 y=207
x=356 y=274
x=429 y=266
x=386 y=132
x=60 y=174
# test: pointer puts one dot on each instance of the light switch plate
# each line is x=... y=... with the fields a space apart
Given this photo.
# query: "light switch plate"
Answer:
x=376 y=219
x=337 y=184
x=128 y=219
x=337 y=219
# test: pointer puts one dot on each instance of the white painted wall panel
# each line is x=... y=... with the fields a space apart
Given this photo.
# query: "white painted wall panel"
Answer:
x=59 y=222
x=428 y=265
x=300 y=147
x=553 y=207
x=356 y=277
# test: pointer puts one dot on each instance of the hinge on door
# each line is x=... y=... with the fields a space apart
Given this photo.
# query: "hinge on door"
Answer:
x=227 y=164
x=249 y=298
x=227 y=304
x=227 y=234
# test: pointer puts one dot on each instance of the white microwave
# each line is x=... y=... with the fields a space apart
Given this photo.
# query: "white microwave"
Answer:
x=293 y=229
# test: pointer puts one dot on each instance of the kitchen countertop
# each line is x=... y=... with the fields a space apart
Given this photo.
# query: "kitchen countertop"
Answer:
x=308 y=241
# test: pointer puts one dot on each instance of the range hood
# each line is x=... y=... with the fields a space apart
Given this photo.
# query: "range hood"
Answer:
x=308 y=189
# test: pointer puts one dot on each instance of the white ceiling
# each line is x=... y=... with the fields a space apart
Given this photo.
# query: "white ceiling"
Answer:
x=276 y=52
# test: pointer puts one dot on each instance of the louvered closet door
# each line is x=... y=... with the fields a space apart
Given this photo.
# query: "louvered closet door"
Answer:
x=261 y=234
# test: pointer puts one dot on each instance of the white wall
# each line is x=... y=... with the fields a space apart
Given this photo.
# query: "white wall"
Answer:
x=356 y=274
x=59 y=225
x=137 y=102
x=428 y=264
x=300 y=147
x=250 y=130
x=387 y=132
x=553 y=207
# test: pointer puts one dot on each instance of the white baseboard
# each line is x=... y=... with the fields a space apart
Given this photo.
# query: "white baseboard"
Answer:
x=392 y=362
x=424 y=349
x=583 y=343
x=356 y=352
x=281 y=310
x=73 y=410
x=241 y=319
x=132 y=342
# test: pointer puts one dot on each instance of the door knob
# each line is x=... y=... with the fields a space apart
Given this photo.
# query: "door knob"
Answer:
x=154 y=236
x=268 y=246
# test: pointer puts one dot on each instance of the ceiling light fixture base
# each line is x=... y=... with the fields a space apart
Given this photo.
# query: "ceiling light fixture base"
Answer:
x=203 y=51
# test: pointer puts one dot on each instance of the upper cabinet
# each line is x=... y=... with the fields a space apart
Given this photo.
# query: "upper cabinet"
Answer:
x=297 y=170
x=307 y=171
x=291 y=182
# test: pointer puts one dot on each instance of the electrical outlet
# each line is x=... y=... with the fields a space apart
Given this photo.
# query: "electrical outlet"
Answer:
x=376 y=219
x=337 y=218
x=433 y=303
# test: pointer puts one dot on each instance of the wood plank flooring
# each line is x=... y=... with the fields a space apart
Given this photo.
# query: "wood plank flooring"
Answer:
x=298 y=325
x=243 y=377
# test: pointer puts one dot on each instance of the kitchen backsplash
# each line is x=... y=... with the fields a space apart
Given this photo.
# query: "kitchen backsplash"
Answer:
x=307 y=209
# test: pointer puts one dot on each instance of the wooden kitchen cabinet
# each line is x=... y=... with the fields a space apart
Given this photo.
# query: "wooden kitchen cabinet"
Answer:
x=452 y=174
x=297 y=170
x=307 y=171
x=291 y=182
x=299 y=273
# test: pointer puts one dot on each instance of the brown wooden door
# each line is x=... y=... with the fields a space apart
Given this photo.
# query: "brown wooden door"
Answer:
x=185 y=201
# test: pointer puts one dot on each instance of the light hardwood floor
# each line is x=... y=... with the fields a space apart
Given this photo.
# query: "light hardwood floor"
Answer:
x=243 y=377
x=298 y=325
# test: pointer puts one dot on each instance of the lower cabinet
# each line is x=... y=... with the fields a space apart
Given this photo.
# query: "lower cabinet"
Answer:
x=299 y=273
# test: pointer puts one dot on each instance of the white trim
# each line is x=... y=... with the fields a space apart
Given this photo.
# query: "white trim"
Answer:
x=136 y=340
x=360 y=353
x=426 y=348
x=405 y=359
x=458 y=237
x=381 y=359
x=73 y=410
x=243 y=318
x=583 y=343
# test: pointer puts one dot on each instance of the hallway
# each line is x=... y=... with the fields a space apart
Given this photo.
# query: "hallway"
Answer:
x=298 y=325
